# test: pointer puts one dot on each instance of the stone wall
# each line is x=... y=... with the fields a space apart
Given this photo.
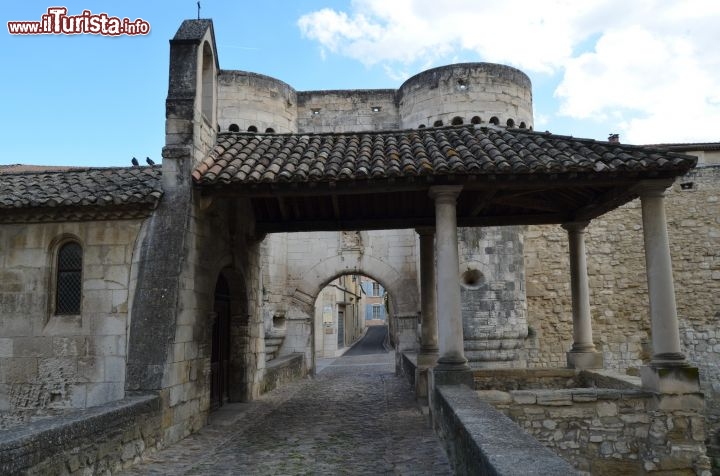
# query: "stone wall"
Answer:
x=347 y=111
x=60 y=361
x=480 y=440
x=610 y=431
x=100 y=440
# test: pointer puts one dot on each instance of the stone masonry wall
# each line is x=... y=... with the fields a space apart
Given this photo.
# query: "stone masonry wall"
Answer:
x=493 y=295
x=610 y=431
x=63 y=361
x=100 y=440
x=347 y=111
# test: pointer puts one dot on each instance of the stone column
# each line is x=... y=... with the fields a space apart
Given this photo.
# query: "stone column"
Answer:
x=450 y=326
x=583 y=354
x=668 y=372
x=429 y=327
x=427 y=358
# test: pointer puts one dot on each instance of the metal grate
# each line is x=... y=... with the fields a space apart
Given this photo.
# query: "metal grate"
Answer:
x=69 y=279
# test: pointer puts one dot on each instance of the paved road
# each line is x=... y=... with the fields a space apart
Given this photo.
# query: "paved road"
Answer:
x=354 y=417
x=371 y=343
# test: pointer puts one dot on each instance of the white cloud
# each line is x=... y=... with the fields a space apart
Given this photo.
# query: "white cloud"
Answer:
x=649 y=67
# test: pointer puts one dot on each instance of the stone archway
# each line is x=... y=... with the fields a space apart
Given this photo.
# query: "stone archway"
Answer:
x=400 y=284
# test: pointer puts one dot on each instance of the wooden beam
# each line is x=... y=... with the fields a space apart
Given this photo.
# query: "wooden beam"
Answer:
x=283 y=208
x=335 y=206
x=403 y=223
x=530 y=203
x=482 y=201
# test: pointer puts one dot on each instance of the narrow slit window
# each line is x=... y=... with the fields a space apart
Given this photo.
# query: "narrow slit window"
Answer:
x=68 y=293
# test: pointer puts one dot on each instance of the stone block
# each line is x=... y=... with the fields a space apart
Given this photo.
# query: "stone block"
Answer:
x=554 y=397
x=6 y=347
x=585 y=360
x=18 y=369
x=671 y=380
x=524 y=397
x=32 y=347
x=99 y=393
x=114 y=369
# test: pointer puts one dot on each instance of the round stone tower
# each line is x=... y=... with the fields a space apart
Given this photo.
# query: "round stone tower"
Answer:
x=491 y=271
x=251 y=102
x=466 y=93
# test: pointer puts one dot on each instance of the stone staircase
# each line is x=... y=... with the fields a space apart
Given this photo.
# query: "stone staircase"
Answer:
x=273 y=342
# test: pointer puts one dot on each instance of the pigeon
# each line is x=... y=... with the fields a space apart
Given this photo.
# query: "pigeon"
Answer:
x=135 y=162
x=149 y=161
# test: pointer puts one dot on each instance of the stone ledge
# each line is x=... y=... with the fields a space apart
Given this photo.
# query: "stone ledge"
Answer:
x=96 y=434
x=481 y=440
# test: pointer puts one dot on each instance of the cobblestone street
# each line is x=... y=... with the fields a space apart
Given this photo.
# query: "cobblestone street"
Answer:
x=354 y=417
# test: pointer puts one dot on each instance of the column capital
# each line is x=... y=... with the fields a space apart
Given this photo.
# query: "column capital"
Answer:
x=425 y=231
x=652 y=188
x=577 y=226
x=445 y=192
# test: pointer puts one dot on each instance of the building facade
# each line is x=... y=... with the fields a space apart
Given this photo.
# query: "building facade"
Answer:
x=118 y=281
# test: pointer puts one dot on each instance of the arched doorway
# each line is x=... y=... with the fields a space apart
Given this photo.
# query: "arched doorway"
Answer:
x=220 y=350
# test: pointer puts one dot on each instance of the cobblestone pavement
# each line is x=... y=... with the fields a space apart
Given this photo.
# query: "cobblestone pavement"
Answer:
x=354 y=417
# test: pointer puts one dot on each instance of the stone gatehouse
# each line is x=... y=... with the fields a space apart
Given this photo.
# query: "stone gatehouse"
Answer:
x=165 y=281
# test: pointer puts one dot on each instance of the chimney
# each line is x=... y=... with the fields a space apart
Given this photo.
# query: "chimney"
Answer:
x=614 y=138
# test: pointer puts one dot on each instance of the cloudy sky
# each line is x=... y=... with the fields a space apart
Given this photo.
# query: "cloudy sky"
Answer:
x=646 y=69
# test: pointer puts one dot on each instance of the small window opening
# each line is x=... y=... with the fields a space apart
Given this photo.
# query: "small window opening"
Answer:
x=278 y=322
x=68 y=295
x=494 y=120
x=315 y=111
x=475 y=120
x=687 y=186
x=457 y=121
x=437 y=123
x=421 y=126
x=523 y=125
x=270 y=130
x=510 y=123
x=252 y=129
x=462 y=85
x=471 y=279
x=376 y=108
x=234 y=128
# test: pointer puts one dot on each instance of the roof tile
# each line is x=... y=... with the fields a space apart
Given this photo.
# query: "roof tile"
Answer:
x=252 y=158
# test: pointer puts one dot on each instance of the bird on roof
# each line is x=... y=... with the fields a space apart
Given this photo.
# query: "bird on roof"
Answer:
x=149 y=161
x=135 y=162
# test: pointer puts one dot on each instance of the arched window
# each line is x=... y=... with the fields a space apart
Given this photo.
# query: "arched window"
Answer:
x=457 y=121
x=234 y=128
x=252 y=129
x=68 y=282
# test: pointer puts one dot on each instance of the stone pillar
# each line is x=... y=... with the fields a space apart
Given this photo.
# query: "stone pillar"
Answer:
x=450 y=327
x=429 y=329
x=583 y=354
x=668 y=372
x=427 y=358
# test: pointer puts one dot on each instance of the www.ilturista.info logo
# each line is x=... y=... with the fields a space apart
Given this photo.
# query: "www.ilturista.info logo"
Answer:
x=57 y=22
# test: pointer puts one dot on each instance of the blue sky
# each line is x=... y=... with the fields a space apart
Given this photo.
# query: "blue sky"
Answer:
x=648 y=71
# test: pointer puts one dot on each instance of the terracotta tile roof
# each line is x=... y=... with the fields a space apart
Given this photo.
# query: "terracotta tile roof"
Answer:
x=466 y=150
x=78 y=187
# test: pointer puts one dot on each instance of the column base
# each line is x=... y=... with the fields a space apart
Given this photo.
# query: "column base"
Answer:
x=441 y=376
x=676 y=379
x=584 y=360
x=427 y=359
